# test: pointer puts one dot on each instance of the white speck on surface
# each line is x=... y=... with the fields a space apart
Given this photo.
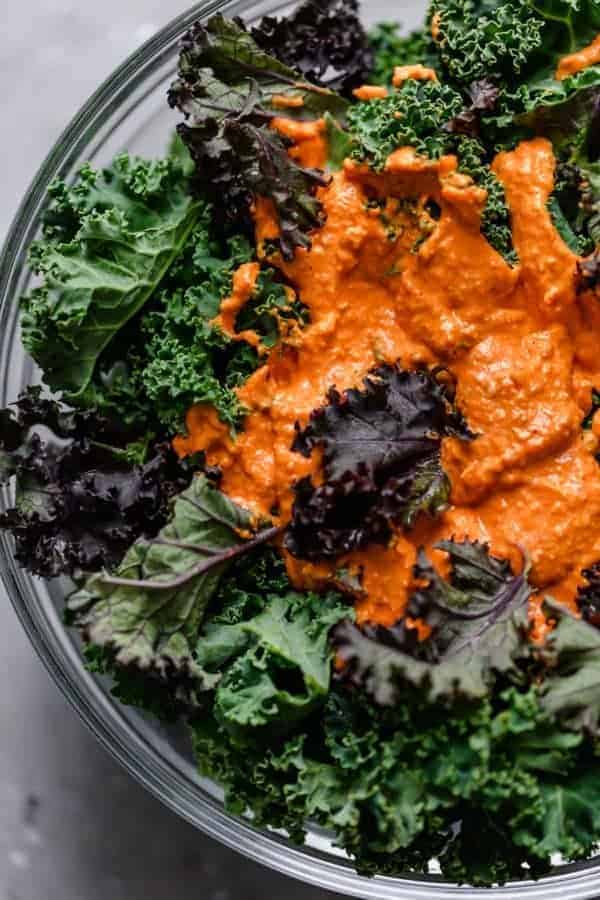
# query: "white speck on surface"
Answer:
x=18 y=859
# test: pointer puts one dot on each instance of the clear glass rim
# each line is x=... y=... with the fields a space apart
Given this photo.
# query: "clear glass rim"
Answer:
x=125 y=744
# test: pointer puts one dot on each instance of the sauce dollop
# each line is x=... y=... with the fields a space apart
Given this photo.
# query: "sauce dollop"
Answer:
x=385 y=282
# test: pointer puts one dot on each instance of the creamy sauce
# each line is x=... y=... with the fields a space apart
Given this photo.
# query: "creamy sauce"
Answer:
x=370 y=92
x=417 y=71
x=244 y=283
x=521 y=343
x=576 y=62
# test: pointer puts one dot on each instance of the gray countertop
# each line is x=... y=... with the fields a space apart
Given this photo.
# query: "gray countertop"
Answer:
x=73 y=825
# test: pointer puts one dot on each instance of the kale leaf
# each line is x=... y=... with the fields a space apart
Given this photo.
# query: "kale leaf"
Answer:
x=381 y=462
x=149 y=614
x=284 y=671
x=414 y=115
x=572 y=689
x=432 y=118
x=482 y=38
x=588 y=596
x=107 y=244
x=273 y=311
x=479 y=626
x=324 y=41
x=81 y=501
x=172 y=356
x=227 y=89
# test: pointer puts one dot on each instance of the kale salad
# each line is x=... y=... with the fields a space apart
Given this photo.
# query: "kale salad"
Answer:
x=318 y=441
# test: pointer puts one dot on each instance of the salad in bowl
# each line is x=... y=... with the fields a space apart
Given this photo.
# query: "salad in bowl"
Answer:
x=319 y=437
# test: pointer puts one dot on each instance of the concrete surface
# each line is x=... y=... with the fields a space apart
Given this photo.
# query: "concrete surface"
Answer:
x=73 y=826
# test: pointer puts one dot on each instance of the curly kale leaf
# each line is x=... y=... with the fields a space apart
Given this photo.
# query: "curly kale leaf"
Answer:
x=479 y=625
x=149 y=614
x=401 y=787
x=496 y=224
x=391 y=48
x=82 y=498
x=509 y=39
x=414 y=115
x=272 y=312
x=188 y=360
x=381 y=462
x=427 y=116
x=107 y=244
x=481 y=38
x=325 y=41
x=228 y=89
x=283 y=673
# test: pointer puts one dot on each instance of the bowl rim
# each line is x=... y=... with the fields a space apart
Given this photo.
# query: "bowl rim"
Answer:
x=127 y=746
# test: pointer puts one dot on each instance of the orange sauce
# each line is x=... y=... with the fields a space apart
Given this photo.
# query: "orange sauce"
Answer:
x=244 y=283
x=283 y=101
x=576 y=62
x=310 y=141
x=418 y=72
x=520 y=341
x=370 y=92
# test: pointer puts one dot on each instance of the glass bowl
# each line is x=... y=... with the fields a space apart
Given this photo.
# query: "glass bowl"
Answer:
x=129 y=112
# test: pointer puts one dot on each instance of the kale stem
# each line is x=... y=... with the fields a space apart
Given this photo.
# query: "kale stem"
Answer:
x=201 y=568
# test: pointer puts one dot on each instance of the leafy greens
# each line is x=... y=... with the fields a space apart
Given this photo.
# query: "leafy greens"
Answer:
x=381 y=462
x=228 y=90
x=81 y=498
x=107 y=245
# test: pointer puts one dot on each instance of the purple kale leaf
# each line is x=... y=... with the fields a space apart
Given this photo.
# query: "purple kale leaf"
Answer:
x=479 y=626
x=228 y=90
x=588 y=596
x=325 y=41
x=80 y=499
x=381 y=462
x=483 y=96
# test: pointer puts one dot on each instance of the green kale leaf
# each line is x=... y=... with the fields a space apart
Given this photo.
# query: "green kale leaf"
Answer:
x=571 y=690
x=107 y=244
x=284 y=674
x=149 y=614
x=413 y=116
